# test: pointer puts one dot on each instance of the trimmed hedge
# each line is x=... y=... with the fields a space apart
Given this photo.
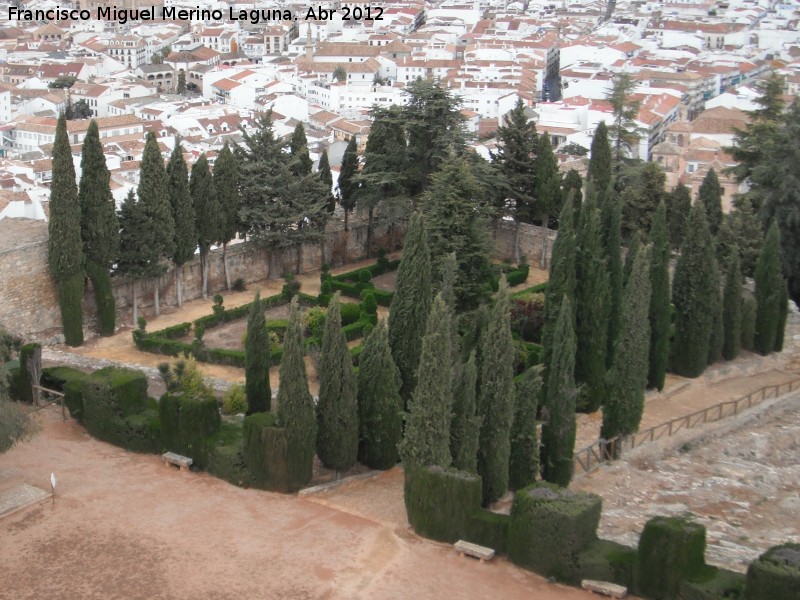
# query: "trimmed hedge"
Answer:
x=12 y=369
x=604 y=560
x=350 y=311
x=103 y=297
x=441 y=502
x=714 y=584
x=488 y=529
x=223 y=454
x=240 y=312
x=116 y=409
x=379 y=268
x=186 y=422
x=221 y=356
x=776 y=574
x=536 y=289
x=23 y=388
x=550 y=526
x=265 y=453
x=68 y=381
x=671 y=549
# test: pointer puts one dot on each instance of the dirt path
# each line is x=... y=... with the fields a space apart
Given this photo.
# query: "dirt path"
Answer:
x=124 y=526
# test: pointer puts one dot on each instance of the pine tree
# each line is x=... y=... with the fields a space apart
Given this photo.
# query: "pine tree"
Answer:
x=345 y=183
x=623 y=132
x=679 y=204
x=427 y=435
x=547 y=187
x=226 y=182
x=136 y=250
x=659 y=300
x=256 y=360
x=153 y=193
x=496 y=404
x=593 y=308
x=380 y=407
x=99 y=226
x=523 y=465
x=326 y=177
x=337 y=408
x=610 y=221
x=710 y=194
x=769 y=292
x=65 y=251
x=627 y=377
x=411 y=302
x=732 y=314
x=693 y=296
x=558 y=424
x=298 y=147
x=466 y=424
x=207 y=212
x=600 y=171
x=296 y=412
x=641 y=199
x=182 y=215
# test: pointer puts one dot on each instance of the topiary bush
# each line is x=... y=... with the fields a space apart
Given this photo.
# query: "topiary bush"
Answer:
x=550 y=526
x=713 y=584
x=187 y=419
x=488 y=529
x=604 y=560
x=351 y=312
x=69 y=382
x=291 y=287
x=224 y=455
x=265 y=454
x=671 y=549
x=24 y=382
x=776 y=574
x=368 y=303
x=441 y=502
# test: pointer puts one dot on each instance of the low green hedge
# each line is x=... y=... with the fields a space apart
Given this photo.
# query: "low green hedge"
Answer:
x=714 y=584
x=240 y=312
x=604 y=560
x=671 y=549
x=223 y=454
x=776 y=574
x=488 y=529
x=379 y=268
x=350 y=312
x=175 y=332
x=549 y=527
x=220 y=356
x=536 y=289
x=69 y=382
x=186 y=422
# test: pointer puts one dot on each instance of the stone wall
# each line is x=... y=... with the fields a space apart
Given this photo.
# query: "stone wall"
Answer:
x=530 y=242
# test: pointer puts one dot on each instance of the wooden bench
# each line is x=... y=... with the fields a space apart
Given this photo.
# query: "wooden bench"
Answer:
x=470 y=549
x=605 y=588
x=170 y=459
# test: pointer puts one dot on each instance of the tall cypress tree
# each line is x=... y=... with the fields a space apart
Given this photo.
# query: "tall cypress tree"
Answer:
x=710 y=195
x=182 y=215
x=770 y=287
x=466 y=425
x=611 y=219
x=547 y=187
x=561 y=393
x=630 y=257
x=326 y=177
x=298 y=147
x=427 y=437
x=693 y=296
x=207 y=211
x=659 y=300
x=337 y=408
x=592 y=310
x=523 y=464
x=408 y=313
x=679 y=204
x=136 y=248
x=154 y=195
x=65 y=250
x=256 y=360
x=345 y=183
x=226 y=182
x=732 y=310
x=717 y=338
x=783 y=316
x=627 y=377
x=99 y=226
x=600 y=158
x=296 y=412
x=571 y=187
x=496 y=398
x=380 y=407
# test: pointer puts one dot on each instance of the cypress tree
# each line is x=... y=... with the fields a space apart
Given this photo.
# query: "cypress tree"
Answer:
x=295 y=404
x=547 y=187
x=99 y=226
x=561 y=394
x=226 y=182
x=732 y=311
x=408 y=313
x=496 y=402
x=600 y=158
x=679 y=204
x=65 y=250
x=562 y=279
x=337 y=408
x=256 y=360
x=717 y=338
x=380 y=407
x=571 y=187
x=693 y=296
x=298 y=147
x=326 y=177
x=769 y=292
x=610 y=219
x=466 y=425
x=592 y=310
x=523 y=464
x=627 y=377
x=710 y=195
x=427 y=437
x=630 y=257
x=783 y=316
x=345 y=183
x=659 y=300
x=136 y=250
x=182 y=214
x=207 y=210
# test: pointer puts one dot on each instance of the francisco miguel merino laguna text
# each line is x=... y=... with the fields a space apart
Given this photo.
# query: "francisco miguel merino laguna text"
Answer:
x=254 y=16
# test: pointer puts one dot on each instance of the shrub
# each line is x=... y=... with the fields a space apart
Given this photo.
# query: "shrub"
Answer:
x=68 y=381
x=527 y=317
x=714 y=584
x=671 y=549
x=265 y=453
x=238 y=285
x=199 y=331
x=364 y=276
x=24 y=383
x=187 y=419
x=141 y=323
x=224 y=455
x=488 y=529
x=518 y=275
x=351 y=312
x=604 y=560
x=776 y=574
x=15 y=424
x=326 y=288
x=290 y=288
x=314 y=321
x=549 y=527
x=234 y=401
x=368 y=303
x=539 y=288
